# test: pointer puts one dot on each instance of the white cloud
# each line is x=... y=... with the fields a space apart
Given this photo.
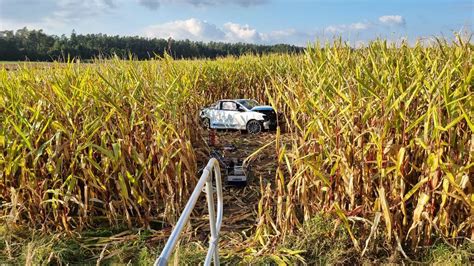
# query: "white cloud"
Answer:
x=192 y=29
x=52 y=16
x=358 y=26
x=334 y=29
x=7 y=24
x=199 y=30
x=237 y=32
x=290 y=36
x=392 y=20
x=155 y=4
x=73 y=10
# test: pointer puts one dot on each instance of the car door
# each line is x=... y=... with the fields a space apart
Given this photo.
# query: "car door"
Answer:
x=241 y=118
x=212 y=113
x=225 y=117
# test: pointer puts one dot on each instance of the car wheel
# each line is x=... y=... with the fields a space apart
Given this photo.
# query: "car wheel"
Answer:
x=254 y=127
x=206 y=123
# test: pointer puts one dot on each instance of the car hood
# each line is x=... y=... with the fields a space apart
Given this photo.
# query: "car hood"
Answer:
x=262 y=108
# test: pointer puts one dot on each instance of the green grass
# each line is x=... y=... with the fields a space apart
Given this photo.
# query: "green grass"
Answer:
x=320 y=241
x=442 y=254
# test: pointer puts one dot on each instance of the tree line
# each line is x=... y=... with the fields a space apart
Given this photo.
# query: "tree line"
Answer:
x=35 y=45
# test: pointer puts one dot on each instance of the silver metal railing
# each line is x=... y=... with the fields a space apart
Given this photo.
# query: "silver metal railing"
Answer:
x=215 y=221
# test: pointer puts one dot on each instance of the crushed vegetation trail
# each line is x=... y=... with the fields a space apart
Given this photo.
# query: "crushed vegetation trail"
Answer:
x=240 y=203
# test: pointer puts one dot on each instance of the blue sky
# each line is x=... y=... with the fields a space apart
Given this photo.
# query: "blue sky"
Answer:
x=255 y=21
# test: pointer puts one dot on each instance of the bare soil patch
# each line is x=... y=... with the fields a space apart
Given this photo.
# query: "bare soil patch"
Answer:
x=240 y=203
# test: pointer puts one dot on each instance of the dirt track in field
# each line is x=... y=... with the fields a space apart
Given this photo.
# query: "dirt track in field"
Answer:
x=240 y=203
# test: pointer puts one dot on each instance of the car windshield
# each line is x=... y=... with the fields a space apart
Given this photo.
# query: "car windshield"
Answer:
x=249 y=104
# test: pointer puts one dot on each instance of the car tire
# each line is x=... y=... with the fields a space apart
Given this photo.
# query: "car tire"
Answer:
x=206 y=123
x=254 y=127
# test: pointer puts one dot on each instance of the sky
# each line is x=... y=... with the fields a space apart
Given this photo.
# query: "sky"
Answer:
x=254 y=21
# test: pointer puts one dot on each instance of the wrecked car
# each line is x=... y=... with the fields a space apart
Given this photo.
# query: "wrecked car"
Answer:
x=240 y=114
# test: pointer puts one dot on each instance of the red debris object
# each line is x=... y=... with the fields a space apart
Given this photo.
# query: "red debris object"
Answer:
x=212 y=137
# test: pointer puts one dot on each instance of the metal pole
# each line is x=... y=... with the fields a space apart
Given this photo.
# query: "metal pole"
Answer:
x=220 y=211
x=206 y=178
x=212 y=223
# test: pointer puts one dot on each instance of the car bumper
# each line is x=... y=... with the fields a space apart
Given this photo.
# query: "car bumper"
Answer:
x=269 y=124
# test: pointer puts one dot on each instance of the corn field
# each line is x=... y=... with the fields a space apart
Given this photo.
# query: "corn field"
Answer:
x=380 y=137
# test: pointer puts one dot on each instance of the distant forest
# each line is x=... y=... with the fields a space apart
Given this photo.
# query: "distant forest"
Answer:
x=35 y=45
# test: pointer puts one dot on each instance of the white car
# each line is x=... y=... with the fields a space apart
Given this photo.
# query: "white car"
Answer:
x=241 y=114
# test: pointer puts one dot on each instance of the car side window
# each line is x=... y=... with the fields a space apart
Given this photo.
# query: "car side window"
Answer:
x=240 y=108
x=229 y=106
